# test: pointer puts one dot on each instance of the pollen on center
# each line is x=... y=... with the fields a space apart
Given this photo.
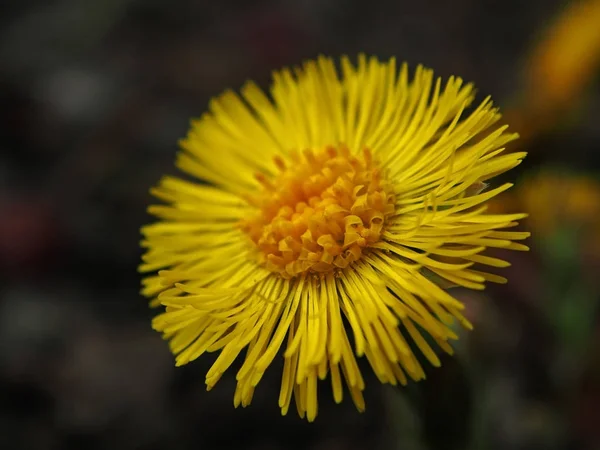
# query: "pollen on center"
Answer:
x=320 y=212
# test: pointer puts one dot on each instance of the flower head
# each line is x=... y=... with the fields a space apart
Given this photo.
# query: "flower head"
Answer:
x=330 y=208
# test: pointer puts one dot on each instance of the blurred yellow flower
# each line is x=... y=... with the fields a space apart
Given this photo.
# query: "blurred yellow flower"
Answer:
x=329 y=202
x=568 y=56
x=556 y=199
x=561 y=65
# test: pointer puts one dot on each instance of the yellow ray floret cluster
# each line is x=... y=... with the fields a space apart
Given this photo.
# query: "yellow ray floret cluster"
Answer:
x=327 y=210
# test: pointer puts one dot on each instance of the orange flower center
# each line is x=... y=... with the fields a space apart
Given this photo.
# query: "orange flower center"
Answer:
x=319 y=214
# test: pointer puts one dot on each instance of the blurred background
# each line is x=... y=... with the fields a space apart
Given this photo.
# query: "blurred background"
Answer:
x=93 y=97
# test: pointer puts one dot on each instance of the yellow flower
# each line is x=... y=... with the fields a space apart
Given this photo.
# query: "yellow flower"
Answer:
x=565 y=60
x=558 y=69
x=331 y=206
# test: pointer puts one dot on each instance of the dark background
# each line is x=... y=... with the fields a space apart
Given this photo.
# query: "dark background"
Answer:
x=93 y=97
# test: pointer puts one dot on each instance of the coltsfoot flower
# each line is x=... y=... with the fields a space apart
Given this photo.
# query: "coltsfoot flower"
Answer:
x=325 y=213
